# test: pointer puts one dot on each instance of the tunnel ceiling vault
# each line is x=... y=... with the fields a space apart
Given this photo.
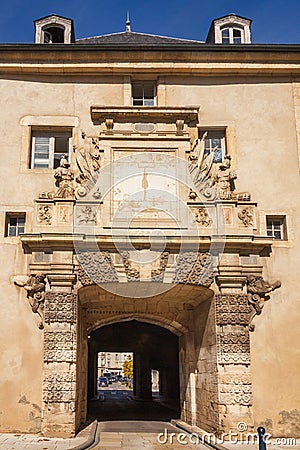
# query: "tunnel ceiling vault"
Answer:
x=139 y=337
x=172 y=309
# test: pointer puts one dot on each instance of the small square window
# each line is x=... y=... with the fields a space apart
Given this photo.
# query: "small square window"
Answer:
x=276 y=227
x=14 y=224
x=143 y=93
x=47 y=148
x=214 y=141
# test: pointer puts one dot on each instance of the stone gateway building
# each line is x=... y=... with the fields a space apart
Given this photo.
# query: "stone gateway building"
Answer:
x=150 y=204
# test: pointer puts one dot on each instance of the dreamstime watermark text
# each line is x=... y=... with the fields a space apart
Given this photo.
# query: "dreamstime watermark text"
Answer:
x=239 y=436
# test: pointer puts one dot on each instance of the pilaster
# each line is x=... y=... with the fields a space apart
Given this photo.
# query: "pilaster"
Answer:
x=60 y=358
x=233 y=361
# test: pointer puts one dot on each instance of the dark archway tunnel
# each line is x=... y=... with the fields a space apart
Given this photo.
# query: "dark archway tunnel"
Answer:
x=153 y=348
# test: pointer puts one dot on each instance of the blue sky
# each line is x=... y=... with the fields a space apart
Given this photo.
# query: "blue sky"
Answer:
x=274 y=21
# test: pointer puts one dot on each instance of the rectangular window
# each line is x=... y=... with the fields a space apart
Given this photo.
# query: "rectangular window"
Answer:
x=237 y=36
x=14 y=224
x=225 y=36
x=47 y=148
x=214 y=141
x=143 y=93
x=276 y=227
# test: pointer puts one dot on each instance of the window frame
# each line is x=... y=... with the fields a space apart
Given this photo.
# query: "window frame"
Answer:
x=52 y=134
x=14 y=215
x=144 y=83
x=214 y=133
x=231 y=38
x=271 y=219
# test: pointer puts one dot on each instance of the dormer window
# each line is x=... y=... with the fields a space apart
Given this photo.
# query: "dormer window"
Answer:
x=231 y=35
x=231 y=29
x=53 y=35
x=54 y=29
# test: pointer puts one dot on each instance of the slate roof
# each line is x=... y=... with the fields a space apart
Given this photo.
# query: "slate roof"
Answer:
x=131 y=37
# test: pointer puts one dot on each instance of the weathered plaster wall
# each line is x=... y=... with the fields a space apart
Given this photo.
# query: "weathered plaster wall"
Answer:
x=21 y=351
x=259 y=113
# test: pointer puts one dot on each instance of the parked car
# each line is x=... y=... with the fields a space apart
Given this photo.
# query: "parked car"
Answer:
x=113 y=379
x=103 y=381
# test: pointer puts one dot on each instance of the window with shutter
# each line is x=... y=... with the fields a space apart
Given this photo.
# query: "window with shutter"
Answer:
x=48 y=147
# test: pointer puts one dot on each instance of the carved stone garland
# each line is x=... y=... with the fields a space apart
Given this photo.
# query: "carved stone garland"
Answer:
x=132 y=273
x=158 y=274
x=96 y=268
x=194 y=268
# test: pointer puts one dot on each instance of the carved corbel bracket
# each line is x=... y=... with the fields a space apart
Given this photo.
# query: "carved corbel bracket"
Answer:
x=35 y=285
x=257 y=290
x=109 y=125
x=179 y=126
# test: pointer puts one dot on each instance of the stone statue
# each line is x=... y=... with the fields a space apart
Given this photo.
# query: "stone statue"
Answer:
x=88 y=159
x=35 y=286
x=223 y=180
x=200 y=167
x=64 y=179
x=257 y=289
x=213 y=181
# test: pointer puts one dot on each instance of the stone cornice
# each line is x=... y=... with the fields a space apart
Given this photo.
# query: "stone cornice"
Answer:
x=196 y=59
x=144 y=113
x=66 y=242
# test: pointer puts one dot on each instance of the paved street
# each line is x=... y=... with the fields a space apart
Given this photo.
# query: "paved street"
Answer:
x=129 y=435
x=116 y=403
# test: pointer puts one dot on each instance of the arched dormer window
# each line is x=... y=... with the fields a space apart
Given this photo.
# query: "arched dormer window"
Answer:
x=231 y=29
x=231 y=35
x=54 y=29
x=54 y=35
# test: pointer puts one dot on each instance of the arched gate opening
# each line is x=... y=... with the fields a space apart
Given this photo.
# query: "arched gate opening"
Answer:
x=154 y=348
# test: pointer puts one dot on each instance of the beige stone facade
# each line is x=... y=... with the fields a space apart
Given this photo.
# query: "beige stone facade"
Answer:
x=193 y=257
